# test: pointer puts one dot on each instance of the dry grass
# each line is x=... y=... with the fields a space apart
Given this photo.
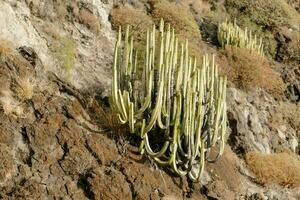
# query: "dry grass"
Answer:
x=281 y=168
x=23 y=89
x=249 y=71
x=107 y=119
x=180 y=18
x=14 y=88
x=90 y=20
x=137 y=19
x=9 y=105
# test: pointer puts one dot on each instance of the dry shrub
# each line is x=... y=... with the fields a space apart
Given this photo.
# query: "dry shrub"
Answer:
x=281 y=168
x=249 y=71
x=183 y=21
x=180 y=18
x=23 y=89
x=137 y=19
x=90 y=20
x=177 y=15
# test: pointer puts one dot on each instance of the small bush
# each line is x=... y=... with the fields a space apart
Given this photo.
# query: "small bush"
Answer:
x=179 y=17
x=183 y=21
x=281 y=168
x=23 y=88
x=64 y=50
x=137 y=19
x=249 y=71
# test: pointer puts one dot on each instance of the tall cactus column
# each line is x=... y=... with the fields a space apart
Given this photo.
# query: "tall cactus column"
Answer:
x=177 y=101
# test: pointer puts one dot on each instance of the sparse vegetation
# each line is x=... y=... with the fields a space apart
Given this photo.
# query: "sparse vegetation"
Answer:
x=87 y=18
x=250 y=71
x=23 y=89
x=280 y=168
x=64 y=50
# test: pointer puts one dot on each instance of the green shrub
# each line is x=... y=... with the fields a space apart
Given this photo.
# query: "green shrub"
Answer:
x=64 y=49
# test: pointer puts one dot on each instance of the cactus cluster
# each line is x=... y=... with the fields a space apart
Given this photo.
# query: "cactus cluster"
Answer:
x=231 y=34
x=176 y=108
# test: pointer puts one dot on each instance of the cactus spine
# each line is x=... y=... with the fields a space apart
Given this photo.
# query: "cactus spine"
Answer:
x=231 y=34
x=184 y=103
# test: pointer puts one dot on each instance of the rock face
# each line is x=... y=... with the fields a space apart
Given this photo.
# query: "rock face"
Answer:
x=93 y=53
x=251 y=130
x=54 y=149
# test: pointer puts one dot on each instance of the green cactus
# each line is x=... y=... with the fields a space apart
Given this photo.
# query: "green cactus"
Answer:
x=171 y=96
x=231 y=34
